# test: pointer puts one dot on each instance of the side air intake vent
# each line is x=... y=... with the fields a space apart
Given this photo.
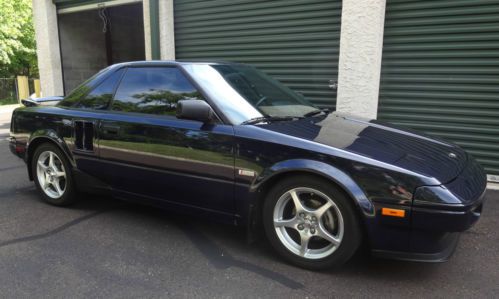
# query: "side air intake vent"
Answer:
x=84 y=135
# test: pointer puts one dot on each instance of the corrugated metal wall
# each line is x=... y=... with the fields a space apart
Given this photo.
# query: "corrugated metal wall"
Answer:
x=440 y=72
x=295 y=41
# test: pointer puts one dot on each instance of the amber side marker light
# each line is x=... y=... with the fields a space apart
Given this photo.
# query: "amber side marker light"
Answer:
x=393 y=212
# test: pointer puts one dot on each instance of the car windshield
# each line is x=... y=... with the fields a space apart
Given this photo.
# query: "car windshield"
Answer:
x=245 y=93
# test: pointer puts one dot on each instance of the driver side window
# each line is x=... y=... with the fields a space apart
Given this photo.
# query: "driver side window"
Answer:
x=153 y=90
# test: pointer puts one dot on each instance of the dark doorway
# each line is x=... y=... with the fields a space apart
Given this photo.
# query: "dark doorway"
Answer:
x=94 y=39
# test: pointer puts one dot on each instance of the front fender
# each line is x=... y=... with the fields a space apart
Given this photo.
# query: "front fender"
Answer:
x=322 y=169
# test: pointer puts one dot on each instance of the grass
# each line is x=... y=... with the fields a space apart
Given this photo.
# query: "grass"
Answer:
x=7 y=101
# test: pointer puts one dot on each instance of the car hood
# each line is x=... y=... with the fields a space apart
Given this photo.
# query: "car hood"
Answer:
x=379 y=141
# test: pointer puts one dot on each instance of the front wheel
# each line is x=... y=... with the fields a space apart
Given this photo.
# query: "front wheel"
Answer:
x=52 y=175
x=311 y=223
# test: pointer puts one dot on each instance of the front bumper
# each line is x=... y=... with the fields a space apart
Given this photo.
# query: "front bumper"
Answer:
x=448 y=218
x=452 y=207
x=438 y=214
x=442 y=248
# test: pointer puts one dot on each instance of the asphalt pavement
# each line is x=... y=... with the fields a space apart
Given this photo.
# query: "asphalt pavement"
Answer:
x=103 y=247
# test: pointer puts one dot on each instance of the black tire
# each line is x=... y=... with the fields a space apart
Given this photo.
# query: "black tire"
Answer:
x=69 y=195
x=352 y=234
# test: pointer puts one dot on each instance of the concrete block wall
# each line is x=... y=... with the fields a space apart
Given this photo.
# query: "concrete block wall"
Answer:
x=83 y=47
x=127 y=33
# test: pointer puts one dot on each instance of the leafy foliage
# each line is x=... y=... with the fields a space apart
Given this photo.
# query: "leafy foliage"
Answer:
x=154 y=102
x=17 y=39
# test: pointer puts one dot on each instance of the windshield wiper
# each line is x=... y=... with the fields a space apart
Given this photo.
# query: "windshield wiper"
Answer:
x=315 y=112
x=268 y=118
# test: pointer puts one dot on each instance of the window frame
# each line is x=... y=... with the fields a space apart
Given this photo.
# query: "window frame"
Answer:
x=102 y=75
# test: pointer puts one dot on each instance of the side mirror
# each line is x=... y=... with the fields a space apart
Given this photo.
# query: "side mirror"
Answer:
x=195 y=110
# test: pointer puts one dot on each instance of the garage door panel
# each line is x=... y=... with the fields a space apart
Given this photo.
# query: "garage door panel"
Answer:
x=320 y=38
x=438 y=62
x=443 y=29
x=297 y=41
x=416 y=5
x=261 y=44
x=238 y=7
x=436 y=78
x=438 y=87
x=436 y=103
x=278 y=18
x=440 y=72
x=441 y=94
x=243 y=25
x=485 y=130
x=199 y=52
x=191 y=35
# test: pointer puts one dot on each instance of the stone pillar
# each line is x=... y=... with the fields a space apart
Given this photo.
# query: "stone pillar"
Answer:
x=47 y=47
x=166 y=30
x=147 y=28
x=361 y=45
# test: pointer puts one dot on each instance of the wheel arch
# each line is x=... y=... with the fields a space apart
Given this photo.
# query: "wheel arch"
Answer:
x=45 y=136
x=280 y=171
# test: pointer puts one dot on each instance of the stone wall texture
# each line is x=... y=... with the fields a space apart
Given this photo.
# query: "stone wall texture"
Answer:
x=361 y=46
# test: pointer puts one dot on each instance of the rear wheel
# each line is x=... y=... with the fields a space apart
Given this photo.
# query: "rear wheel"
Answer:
x=52 y=175
x=311 y=223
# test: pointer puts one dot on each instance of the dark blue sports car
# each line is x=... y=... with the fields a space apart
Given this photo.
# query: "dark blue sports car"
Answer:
x=226 y=141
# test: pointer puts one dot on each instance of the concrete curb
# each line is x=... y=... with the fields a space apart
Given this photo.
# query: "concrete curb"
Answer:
x=493 y=186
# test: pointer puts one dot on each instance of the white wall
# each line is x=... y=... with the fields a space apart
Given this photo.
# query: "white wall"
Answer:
x=166 y=32
x=361 y=43
x=47 y=47
x=147 y=28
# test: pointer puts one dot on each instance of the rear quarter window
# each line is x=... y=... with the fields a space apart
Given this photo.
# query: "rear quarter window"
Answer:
x=98 y=98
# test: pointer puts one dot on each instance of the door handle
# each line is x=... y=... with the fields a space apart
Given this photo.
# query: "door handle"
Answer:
x=111 y=129
x=333 y=84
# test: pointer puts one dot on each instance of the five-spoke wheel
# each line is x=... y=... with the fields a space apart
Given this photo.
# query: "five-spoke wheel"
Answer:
x=308 y=223
x=311 y=222
x=52 y=177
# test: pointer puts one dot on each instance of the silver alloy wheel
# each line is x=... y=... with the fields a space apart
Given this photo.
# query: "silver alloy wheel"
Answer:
x=51 y=174
x=308 y=223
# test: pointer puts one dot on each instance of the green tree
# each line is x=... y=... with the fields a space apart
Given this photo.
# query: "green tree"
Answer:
x=17 y=39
